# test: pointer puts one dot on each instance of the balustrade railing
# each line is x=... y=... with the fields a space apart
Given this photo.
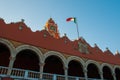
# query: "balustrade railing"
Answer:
x=33 y=75
x=3 y=71
x=19 y=73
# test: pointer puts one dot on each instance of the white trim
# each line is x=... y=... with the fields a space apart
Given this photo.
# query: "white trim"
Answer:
x=108 y=65
x=9 y=45
x=78 y=59
x=34 y=49
x=54 y=53
x=93 y=62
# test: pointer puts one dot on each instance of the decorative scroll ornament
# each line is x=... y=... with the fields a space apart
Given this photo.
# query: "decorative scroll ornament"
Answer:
x=83 y=48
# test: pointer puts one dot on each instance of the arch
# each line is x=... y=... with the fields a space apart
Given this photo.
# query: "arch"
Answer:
x=93 y=62
x=105 y=64
x=107 y=71
x=32 y=48
x=54 y=65
x=117 y=72
x=53 y=53
x=90 y=64
x=76 y=59
x=116 y=66
x=75 y=66
x=9 y=45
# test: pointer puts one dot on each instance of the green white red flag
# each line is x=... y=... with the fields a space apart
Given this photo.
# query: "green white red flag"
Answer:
x=71 y=19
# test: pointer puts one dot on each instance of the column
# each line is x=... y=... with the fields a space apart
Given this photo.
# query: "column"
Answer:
x=66 y=73
x=12 y=59
x=85 y=73
x=101 y=75
x=41 y=69
x=114 y=76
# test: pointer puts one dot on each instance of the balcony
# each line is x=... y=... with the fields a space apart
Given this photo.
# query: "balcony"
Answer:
x=20 y=74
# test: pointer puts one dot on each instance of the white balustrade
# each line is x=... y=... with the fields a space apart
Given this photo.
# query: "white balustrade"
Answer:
x=3 y=71
x=33 y=75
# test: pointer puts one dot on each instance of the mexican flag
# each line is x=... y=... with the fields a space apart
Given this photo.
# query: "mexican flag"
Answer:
x=71 y=19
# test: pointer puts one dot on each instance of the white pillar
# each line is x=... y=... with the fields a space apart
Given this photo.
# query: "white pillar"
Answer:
x=85 y=73
x=41 y=69
x=66 y=73
x=12 y=59
x=114 y=76
x=101 y=75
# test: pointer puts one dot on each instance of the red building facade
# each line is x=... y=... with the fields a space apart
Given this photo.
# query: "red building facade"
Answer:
x=24 y=53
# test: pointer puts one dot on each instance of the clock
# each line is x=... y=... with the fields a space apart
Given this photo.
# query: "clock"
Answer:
x=52 y=28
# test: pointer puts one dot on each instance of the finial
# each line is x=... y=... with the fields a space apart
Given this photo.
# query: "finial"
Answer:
x=65 y=34
x=117 y=52
x=22 y=20
x=95 y=45
x=107 y=48
x=82 y=38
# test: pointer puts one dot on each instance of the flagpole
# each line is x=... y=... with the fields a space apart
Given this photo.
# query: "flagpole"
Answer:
x=75 y=21
x=77 y=30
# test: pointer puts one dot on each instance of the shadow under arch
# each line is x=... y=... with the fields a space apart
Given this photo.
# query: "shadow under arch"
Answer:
x=10 y=46
x=93 y=62
x=75 y=66
x=7 y=51
x=94 y=68
x=35 y=49
x=54 y=63
x=28 y=57
x=54 y=53
x=107 y=71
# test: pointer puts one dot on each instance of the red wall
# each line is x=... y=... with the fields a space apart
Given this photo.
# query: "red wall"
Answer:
x=11 y=31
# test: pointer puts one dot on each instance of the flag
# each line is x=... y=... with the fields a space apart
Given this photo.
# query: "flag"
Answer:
x=71 y=19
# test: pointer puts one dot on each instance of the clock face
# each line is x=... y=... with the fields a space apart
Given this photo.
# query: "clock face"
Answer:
x=52 y=28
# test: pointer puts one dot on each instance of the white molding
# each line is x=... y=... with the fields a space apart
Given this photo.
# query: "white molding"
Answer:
x=54 y=53
x=9 y=45
x=32 y=48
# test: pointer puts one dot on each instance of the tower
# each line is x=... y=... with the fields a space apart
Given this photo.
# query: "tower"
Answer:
x=52 y=28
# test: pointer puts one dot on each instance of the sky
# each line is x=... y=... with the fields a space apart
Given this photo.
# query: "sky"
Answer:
x=98 y=20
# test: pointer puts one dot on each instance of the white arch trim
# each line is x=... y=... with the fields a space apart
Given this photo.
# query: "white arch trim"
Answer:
x=9 y=45
x=108 y=65
x=54 y=53
x=116 y=66
x=76 y=59
x=29 y=47
x=93 y=62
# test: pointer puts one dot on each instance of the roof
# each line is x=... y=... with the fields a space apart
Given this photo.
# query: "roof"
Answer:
x=20 y=32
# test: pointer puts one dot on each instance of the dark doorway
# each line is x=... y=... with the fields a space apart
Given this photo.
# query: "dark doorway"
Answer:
x=4 y=55
x=75 y=69
x=117 y=72
x=27 y=59
x=93 y=71
x=107 y=73
x=53 y=65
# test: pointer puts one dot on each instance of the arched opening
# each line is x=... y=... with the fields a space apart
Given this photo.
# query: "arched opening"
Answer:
x=93 y=71
x=4 y=55
x=54 y=65
x=27 y=59
x=107 y=73
x=75 y=69
x=117 y=72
